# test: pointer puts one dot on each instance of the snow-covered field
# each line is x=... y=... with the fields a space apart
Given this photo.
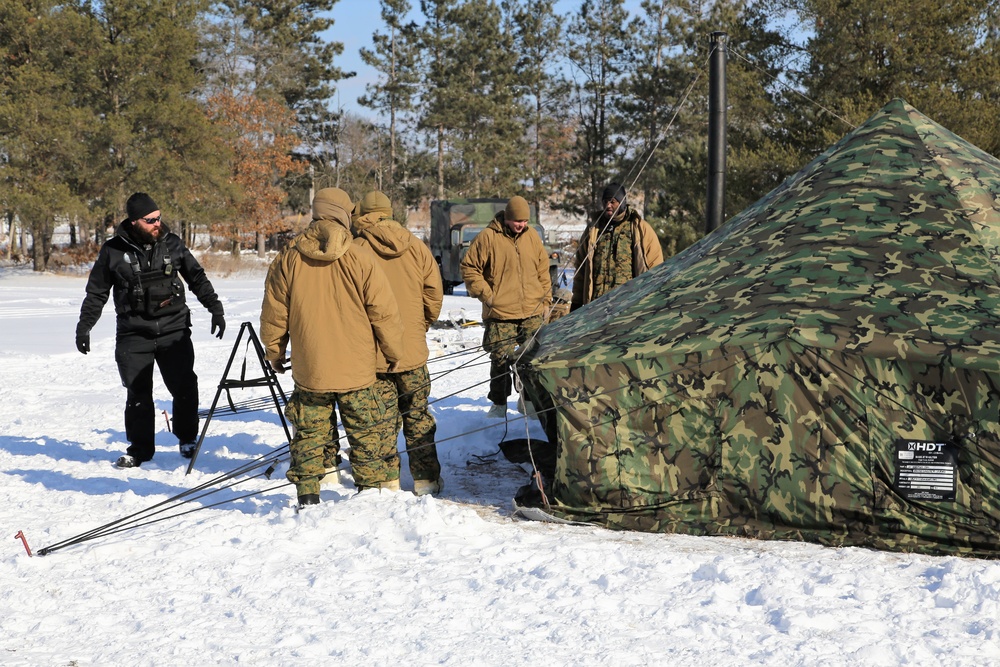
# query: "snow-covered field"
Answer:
x=389 y=578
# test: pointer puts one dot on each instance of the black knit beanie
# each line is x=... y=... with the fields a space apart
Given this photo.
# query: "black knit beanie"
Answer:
x=140 y=205
x=614 y=191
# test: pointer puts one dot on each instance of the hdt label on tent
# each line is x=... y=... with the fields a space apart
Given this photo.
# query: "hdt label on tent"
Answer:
x=926 y=470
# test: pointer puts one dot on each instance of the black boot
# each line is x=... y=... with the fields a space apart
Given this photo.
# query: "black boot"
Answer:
x=309 y=499
x=127 y=461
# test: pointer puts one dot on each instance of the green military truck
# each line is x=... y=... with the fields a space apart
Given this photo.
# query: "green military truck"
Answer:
x=454 y=223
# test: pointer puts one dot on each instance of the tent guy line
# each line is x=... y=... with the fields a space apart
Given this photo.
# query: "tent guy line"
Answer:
x=272 y=458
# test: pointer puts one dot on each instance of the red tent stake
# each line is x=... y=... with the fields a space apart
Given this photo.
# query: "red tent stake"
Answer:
x=24 y=540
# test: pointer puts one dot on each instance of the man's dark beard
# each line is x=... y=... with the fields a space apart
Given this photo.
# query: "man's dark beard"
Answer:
x=618 y=216
x=142 y=235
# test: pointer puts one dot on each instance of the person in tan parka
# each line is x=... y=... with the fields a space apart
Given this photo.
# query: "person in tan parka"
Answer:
x=416 y=282
x=507 y=269
x=616 y=247
x=328 y=298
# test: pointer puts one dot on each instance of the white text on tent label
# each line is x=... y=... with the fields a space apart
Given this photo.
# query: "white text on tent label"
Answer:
x=926 y=470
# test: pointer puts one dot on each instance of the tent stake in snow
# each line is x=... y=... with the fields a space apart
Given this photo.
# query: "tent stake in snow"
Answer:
x=24 y=541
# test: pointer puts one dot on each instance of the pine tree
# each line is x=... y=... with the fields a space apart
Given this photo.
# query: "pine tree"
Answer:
x=666 y=108
x=538 y=39
x=470 y=101
x=655 y=87
x=263 y=52
x=40 y=122
x=395 y=57
x=138 y=80
x=437 y=33
x=941 y=57
x=601 y=49
x=761 y=155
x=275 y=48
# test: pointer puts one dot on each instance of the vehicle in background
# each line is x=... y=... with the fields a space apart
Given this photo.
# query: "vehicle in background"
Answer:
x=455 y=223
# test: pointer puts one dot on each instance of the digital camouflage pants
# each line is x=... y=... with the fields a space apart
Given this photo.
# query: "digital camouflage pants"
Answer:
x=409 y=391
x=500 y=339
x=363 y=414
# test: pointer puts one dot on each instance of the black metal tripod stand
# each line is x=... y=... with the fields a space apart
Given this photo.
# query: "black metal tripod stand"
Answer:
x=269 y=380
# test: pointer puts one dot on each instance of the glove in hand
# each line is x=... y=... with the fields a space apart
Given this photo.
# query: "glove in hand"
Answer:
x=277 y=365
x=218 y=322
x=83 y=343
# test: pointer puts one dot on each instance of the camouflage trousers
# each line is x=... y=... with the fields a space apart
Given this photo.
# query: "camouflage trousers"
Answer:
x=363 y=414
x=406 y=394
x=500 y=339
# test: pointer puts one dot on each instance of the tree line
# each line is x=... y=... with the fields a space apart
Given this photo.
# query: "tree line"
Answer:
x=224 y=108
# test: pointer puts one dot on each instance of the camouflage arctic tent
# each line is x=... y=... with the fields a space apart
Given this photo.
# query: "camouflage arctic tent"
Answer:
x=824 y=367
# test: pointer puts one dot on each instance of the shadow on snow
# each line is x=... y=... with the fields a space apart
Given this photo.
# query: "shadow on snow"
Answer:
x=473 y=469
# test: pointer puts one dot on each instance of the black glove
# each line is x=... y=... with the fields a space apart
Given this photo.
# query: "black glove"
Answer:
x=218 y=322
x=83 y=343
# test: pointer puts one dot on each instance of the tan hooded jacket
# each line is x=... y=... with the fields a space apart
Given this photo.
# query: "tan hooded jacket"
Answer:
x=646 y=253
x=327 y=296
x=509 y=274
x=415 y=280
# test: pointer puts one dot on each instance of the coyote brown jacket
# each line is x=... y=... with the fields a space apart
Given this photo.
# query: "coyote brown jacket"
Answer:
x=509 y=274
x=415 y=279
x=327 y=296
x=646 y=253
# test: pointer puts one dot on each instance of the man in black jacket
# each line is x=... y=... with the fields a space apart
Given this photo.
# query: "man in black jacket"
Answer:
x=143 y=265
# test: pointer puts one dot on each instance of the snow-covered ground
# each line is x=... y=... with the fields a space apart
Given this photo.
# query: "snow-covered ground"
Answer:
x=389 y=578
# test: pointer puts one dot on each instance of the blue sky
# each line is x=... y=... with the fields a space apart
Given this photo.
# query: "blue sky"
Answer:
x=354 y=23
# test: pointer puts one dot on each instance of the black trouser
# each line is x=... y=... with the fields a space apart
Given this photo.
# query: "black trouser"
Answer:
x=174 y=355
